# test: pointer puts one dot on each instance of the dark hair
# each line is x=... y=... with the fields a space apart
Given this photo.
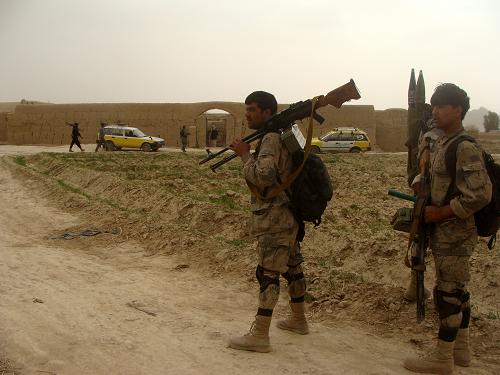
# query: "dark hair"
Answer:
x=450 y=94
x=264 y=100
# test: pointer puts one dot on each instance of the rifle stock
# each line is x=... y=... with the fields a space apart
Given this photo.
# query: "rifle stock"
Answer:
x=340 y=95
x=295 y=112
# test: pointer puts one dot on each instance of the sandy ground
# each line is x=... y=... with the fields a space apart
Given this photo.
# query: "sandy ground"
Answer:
x=64 y=310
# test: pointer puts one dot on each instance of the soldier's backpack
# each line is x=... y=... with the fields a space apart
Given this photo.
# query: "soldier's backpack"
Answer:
x=487 y=219
x=312 y=189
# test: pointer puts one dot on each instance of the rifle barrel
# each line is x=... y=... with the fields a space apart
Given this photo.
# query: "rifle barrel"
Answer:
x=214 y=155
x=214 y=166
x=248 y=139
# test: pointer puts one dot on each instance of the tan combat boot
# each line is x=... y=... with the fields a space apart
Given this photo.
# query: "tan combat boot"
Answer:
x=461 y=353
x=257 y=339
x=296 y=322
x=438 y=362
x=411 y=292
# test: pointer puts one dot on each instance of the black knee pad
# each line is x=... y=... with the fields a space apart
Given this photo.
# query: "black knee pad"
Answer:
x=292 y=277
x=265 y=280
x=465 y=310
x=446 y=308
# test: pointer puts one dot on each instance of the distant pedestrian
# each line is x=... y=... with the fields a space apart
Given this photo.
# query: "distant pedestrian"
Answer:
x=100 y=138
x=184 y=138
x=214 y=134
x=75 y=134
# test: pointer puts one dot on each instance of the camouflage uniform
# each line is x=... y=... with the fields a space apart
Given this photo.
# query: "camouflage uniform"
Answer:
x=452 y=241
x=274 y=225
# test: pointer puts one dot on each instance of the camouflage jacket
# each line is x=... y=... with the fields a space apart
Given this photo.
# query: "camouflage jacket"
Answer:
x=458 y=236
x=265 y=169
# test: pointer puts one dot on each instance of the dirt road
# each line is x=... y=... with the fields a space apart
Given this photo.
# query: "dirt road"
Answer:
x=111 y=310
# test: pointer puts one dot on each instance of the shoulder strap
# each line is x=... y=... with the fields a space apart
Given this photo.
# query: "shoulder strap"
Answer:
x=451 y=163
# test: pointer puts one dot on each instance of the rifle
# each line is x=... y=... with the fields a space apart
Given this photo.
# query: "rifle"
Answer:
x=418 y=241
x=295 y=112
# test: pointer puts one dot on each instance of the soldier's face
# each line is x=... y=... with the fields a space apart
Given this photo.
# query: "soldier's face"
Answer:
x=446 y=116
x=255 y=116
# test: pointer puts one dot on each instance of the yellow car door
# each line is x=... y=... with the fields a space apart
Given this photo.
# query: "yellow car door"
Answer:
x=130 y=139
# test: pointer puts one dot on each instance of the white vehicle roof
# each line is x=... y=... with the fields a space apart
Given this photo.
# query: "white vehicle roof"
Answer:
x=116 y=126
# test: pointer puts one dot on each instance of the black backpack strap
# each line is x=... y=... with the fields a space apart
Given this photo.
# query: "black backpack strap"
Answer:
x=451 y=164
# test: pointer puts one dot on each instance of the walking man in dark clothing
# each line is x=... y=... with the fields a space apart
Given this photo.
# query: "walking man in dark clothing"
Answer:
x=75 y=134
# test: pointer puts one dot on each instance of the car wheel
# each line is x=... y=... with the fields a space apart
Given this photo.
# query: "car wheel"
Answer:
x=355 y=150
x=146 y=147
x=315 y=149
x=110 y=146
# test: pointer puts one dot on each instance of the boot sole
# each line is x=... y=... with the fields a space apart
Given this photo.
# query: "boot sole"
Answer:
x=286 y=328
x=254 y=349
x=427 y=371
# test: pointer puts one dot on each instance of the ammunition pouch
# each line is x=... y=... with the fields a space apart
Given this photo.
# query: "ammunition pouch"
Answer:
x=402 y=219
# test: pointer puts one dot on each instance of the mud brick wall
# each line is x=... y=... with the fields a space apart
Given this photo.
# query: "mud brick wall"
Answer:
x=46 y=123
x=4 y=121
x=391 y=129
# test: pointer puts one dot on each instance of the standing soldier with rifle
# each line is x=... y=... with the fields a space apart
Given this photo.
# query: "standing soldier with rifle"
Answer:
x=274 y=225
x=267 y=173
x=453 y=233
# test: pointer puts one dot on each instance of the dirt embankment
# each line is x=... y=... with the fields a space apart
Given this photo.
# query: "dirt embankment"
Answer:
x=353 y=260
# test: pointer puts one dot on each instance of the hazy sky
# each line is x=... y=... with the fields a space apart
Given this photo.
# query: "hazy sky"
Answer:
x=80 y=51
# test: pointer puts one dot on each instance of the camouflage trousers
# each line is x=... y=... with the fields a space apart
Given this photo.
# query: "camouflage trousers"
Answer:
x=451 y=297
x=279 y=254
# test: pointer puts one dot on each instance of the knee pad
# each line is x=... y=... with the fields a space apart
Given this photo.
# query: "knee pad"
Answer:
x=296 y=284
x=449 y=305
x=291 y=277
x=465 y=310
x=266 y=278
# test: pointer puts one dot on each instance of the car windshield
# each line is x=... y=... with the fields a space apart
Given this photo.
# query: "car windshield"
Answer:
x=138 y=133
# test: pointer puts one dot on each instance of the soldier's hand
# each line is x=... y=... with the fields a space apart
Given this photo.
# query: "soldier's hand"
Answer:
x=434 y=214
x=241 y=148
